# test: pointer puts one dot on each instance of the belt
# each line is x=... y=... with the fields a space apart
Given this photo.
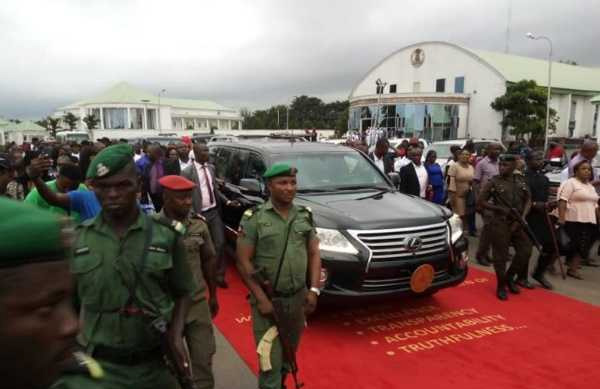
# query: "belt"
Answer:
x=288 y=294
x=126 y=357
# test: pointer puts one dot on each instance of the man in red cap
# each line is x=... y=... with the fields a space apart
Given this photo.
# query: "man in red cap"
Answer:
x=201 y=255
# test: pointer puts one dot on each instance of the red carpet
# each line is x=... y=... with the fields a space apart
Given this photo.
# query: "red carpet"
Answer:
x=460 y=338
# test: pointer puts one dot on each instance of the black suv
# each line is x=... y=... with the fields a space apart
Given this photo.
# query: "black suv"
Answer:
x=372 y=237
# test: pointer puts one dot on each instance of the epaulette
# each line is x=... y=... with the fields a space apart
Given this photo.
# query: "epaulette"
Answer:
x=249 y=212
x=198 y=216
x=172 y=224
x=309 y=211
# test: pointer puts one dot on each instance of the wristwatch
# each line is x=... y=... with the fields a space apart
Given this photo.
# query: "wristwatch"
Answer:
x=317 y=291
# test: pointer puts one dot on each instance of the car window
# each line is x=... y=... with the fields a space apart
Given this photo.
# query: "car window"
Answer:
x=234 y=166
x=221 y=159
x=255 y=168
x=333 y=170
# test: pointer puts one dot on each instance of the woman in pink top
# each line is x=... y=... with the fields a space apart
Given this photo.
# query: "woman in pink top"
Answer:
x=578 y=212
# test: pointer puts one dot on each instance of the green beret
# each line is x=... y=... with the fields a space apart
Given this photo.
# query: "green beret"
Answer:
x=29 y=234
x=280 y=169
x=110 y=160
x=507 y=158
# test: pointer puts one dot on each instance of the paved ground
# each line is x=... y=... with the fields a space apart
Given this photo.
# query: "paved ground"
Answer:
x=232 y=372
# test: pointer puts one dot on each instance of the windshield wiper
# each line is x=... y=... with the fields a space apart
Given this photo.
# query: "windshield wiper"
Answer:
x=353 y=187
x=307 y=190
x=374 y=195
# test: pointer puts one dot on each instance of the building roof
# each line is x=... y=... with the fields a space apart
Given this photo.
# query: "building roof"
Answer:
x=125 y=93
x=596 y=99
x=515 y=68
x=24 y=126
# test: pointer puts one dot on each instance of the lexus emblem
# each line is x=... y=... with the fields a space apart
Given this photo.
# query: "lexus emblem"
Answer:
x=413 y=243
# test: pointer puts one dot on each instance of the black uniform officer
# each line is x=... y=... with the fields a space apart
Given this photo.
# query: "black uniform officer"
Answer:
x=539 y=186
x=511 y=189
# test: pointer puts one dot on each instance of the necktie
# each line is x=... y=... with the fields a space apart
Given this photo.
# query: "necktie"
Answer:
x=210 y=189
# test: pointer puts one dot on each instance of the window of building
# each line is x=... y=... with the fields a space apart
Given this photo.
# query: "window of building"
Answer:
x=235 y=125
x=115 y=118
x=393 y=88
x=151 y=119
x=136 y=118
x=440 y=85
x=416 y=87
x=189 y=124
x=213 y=124
x=459 y=85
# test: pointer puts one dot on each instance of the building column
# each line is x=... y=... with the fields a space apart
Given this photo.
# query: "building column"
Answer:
x=102 y=118
x=240 y=125
x=128 y=118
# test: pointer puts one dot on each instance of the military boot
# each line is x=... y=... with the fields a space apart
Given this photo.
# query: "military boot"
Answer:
x=512 y=284
x=538 y=275
x=500 y=269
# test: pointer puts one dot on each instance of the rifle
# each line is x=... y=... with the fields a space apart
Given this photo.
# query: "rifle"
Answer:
x=184 y=376
x=555 y=243
x=279 y=316
x=519 y=219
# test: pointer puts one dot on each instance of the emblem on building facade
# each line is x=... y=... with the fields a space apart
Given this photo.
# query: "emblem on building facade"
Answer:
x=417 y=57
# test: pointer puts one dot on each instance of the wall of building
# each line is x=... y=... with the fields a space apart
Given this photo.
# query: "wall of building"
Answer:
x=482 y=84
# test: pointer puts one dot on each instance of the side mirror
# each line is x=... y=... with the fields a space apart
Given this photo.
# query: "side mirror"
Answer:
x=251 y=185
x=395 y=177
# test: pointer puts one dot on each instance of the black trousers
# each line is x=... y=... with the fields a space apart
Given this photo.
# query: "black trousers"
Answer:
x=217 y=233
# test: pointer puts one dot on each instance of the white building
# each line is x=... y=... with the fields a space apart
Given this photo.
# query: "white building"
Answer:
x=438 y=90
x=124 y=111
x=23 y=131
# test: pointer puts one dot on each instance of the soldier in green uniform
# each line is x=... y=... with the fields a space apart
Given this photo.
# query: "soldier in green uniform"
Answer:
x=287 y=265
x=37 y=322
x=202 y=258
x=131 y=274
x=511 y=189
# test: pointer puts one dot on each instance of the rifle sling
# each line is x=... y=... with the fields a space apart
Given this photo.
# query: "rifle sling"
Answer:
x=287 y=235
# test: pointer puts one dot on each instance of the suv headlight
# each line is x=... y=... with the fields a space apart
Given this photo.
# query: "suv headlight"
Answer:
x=333 y=240
x=456 y=227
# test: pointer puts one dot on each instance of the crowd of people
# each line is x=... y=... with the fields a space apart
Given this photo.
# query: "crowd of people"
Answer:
x=147 y=258
x=472 y=184
x=149 y=244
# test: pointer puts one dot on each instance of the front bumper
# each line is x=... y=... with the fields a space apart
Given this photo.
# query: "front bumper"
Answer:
x=347 y=279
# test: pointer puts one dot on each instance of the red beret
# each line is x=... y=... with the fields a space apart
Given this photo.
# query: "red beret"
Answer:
x=176 y=183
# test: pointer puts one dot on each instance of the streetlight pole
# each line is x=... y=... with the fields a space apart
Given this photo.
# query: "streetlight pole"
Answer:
x=531 y=36
x=380 y=88
x=159 y=123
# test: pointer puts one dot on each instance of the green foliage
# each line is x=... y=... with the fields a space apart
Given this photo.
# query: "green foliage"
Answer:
x=305 y=112
x=71 y=120
x=524 y=110
x=51 y=124
x=91 y=121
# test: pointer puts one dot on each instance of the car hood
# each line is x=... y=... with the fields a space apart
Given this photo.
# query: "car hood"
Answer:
x=353 y=211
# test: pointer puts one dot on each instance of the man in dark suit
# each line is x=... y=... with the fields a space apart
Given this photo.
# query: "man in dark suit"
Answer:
x=207 y=201
x=382 y=157
x=413 y=176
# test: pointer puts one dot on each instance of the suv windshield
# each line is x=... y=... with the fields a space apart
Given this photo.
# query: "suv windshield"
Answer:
x=334 y=171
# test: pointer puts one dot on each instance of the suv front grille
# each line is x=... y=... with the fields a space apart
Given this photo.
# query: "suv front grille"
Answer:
x=375 y=284
x=391 y=244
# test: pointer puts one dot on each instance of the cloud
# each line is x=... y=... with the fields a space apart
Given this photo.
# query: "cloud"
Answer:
x=252 y=54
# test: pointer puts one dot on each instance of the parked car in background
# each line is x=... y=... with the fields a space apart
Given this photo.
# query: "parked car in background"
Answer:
x=442 y=148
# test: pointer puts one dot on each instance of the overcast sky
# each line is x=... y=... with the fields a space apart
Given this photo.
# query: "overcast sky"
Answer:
x=253 y=53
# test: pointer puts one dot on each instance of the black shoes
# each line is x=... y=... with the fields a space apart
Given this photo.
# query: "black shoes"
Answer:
x=543 y=281
x=222 y=284
x=512 y=285
x=501 y=294
x=483 y=261
x=524 y=282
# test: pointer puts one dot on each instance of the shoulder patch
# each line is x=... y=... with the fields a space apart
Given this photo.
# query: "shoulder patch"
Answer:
x=172 y=224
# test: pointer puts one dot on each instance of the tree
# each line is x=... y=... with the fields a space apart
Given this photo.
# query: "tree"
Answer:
x=50 y=124
x=569 y=62
x=91 y=121
x=71 y=120
x=523 y=108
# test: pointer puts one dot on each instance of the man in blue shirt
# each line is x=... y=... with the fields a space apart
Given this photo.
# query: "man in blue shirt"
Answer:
x=84 y=202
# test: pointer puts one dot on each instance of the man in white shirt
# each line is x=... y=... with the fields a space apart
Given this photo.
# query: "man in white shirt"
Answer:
x=207 y=200
x=184 y=159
